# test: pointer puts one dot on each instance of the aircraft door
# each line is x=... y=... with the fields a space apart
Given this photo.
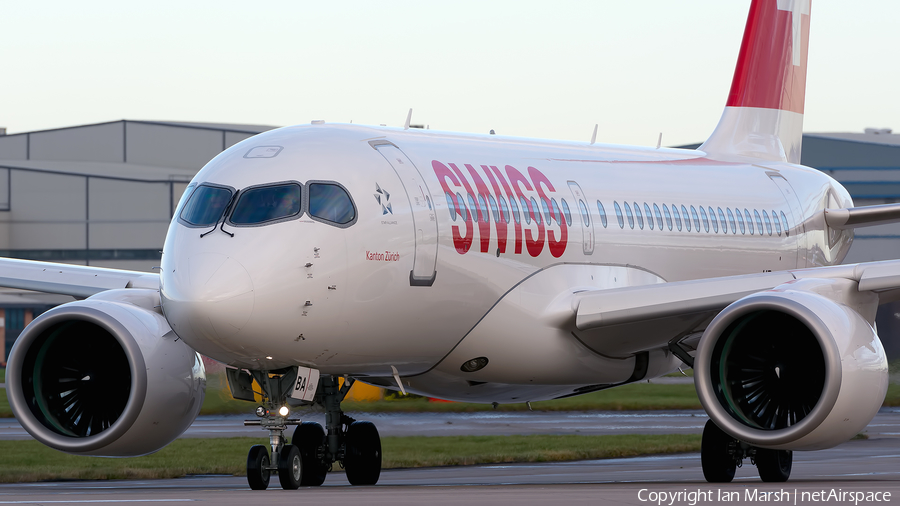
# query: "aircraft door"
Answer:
x=583 y=210
x=424 y=218
x=796 y=212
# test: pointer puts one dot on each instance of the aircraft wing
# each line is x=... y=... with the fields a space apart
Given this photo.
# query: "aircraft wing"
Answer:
x=644 y=317
x=76 y=280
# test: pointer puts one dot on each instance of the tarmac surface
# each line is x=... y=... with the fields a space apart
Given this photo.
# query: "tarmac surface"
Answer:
x=864 y=466
x=886 y=423
x=869 y=467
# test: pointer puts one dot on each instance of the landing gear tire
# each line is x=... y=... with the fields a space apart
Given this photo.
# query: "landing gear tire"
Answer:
x=257 y=463
x=774 y=465
x=309 y=437
x=715 y=455
x=290 y=467
x=363 y=454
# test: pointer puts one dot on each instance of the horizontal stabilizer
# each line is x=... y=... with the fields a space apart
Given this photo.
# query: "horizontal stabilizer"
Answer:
x=867 y=216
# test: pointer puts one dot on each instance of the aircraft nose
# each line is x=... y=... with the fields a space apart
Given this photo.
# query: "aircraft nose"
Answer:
x=210 y=295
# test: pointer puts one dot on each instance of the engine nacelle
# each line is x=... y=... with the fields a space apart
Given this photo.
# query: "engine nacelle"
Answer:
x=105 y=376
x=795 y=368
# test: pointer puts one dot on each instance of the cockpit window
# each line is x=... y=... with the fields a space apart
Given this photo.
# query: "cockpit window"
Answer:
x=267 y=203
x=206 y=205
x=330 y=202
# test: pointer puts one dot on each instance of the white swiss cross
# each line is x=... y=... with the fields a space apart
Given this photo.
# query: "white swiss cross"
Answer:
x=797 y=7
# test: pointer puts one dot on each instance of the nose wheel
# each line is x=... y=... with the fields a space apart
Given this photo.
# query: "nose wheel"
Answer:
x=313 y=449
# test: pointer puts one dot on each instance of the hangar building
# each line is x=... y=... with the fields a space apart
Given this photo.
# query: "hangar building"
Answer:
x=99 y=194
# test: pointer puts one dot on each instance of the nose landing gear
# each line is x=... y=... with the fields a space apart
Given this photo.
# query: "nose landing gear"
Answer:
x=356 y=446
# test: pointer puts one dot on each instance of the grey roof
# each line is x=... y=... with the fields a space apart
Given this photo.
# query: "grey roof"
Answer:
x=871 y=138
x=105 y=169
x=230 y=127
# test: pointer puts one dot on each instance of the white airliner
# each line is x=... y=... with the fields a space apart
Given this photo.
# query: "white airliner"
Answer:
x=486 y=269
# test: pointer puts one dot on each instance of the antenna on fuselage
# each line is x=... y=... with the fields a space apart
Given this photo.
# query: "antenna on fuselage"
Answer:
x=408 y=118
x=659 y=141
x=594 y=136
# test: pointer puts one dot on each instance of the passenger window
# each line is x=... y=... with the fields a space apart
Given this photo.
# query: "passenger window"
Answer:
x=619 y=214
x=740 y=220
x=451 y=205
x=687 y=219
x=275 y=202
x=555 y=209
x=461 y=206
x=731 y=220
x=566 y=212
x=784 y=224
x=696 y=219
x=637 y=214
x=759 y=225
x=602 y=212
x=526 y=211
x=768 y=222
x=483 y=208
x=330 y=202
x=676 y=216
x=668 y=216
x=494 y=208
x=546 y=211
x=659 y=221
x=629 y=215
x=749 y=220
x=722 y=220
x=536 y=211
x=585 y=215
x=712 y=218
x=649 y=215
x=206 y=205
x=705 y=220
x=504 y=210
x=514 y=208
x=473 y=208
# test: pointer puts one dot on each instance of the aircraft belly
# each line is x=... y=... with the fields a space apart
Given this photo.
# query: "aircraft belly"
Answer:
x=527 y=337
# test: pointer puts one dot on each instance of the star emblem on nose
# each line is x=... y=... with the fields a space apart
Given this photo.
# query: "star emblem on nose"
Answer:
x=383 y=198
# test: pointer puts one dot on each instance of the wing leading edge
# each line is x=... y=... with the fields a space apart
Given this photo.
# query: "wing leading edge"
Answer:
x=641 y=318
x=76 y=280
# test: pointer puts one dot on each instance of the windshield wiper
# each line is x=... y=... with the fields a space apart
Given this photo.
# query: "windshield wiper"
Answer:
x=222 y=218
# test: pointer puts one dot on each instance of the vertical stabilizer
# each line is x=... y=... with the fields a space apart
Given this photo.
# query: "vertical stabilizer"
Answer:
x=763 y=117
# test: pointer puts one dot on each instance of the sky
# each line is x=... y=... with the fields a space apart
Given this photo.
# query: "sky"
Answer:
x=524 y=68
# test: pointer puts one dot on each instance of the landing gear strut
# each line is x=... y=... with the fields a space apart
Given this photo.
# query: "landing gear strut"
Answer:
x=721 y=454
x=356 y=446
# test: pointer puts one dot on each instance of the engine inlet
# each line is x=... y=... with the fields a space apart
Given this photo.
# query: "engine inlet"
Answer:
x=768 y=370
x=76 y=379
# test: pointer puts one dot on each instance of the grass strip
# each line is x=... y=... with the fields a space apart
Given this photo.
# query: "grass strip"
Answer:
x=28 y=461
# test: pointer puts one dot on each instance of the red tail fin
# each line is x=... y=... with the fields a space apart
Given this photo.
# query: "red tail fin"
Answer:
x=763 y=116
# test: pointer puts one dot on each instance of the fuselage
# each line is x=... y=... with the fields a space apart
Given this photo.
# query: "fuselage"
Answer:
x=447 y=229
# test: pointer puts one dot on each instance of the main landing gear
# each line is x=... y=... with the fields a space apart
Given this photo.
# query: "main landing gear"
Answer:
x=308 y=457
x=721 y=454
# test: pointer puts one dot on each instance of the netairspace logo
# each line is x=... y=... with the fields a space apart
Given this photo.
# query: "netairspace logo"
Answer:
x=694 y=497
